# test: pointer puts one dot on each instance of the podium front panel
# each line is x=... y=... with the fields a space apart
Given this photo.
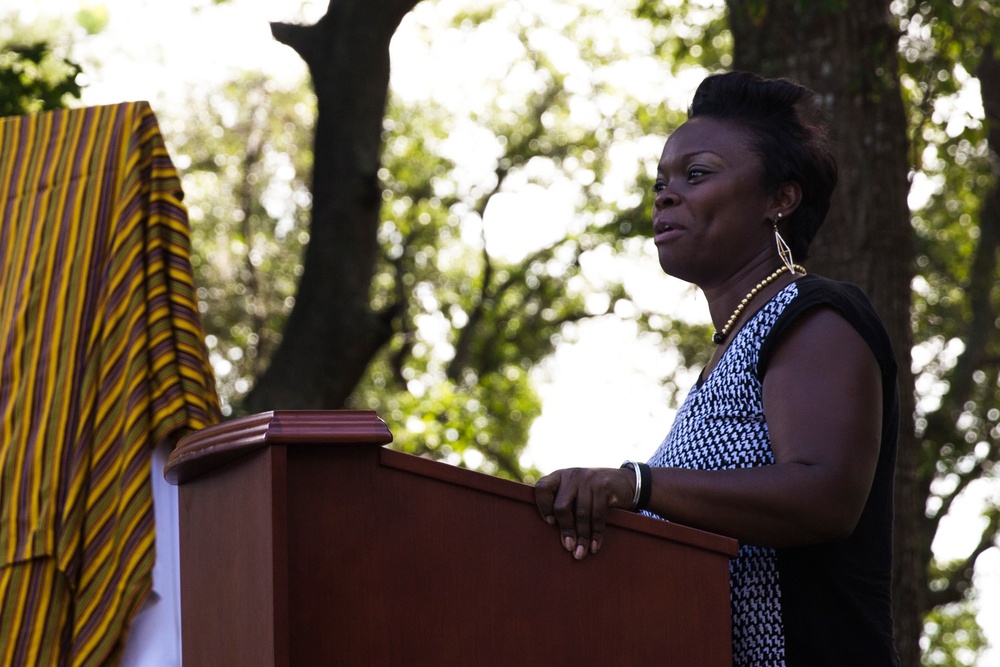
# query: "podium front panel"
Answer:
x=352 y=554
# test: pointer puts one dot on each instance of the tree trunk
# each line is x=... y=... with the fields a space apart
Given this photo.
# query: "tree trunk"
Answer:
x=332 y=333
x=847 y=53
x=988 y=73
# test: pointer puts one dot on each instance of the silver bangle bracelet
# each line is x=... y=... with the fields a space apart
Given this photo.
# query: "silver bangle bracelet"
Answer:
x=638 y=483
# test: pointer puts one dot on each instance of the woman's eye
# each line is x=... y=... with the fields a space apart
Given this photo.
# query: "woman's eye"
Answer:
x=695 y=172
x=658 y=186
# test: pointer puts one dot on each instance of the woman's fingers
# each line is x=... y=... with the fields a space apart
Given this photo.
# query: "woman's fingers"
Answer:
x=564 y=508
x=577 y=501
x=545 y=493
x=598 y=519
x=591 y=511
x=582 y=514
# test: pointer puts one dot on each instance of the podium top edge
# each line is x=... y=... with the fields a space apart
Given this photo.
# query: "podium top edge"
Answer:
x=214 y=446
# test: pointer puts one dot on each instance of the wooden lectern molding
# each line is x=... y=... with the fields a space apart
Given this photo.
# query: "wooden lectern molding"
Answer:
x=211 y=448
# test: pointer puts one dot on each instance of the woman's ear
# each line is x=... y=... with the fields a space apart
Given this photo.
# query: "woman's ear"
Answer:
x=786 y=200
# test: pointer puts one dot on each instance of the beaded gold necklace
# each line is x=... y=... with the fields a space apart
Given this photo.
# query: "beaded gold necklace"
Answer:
x=720 y=335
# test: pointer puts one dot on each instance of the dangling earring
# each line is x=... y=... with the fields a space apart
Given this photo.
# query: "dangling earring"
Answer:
x=784 y=251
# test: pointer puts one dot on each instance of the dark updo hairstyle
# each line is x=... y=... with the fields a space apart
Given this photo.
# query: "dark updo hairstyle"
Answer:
x=786 y=133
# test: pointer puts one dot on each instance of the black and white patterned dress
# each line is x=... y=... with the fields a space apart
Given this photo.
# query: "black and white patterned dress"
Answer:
x=818 y=605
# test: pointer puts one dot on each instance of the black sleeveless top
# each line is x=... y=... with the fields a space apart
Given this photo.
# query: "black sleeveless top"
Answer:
x=826 y=604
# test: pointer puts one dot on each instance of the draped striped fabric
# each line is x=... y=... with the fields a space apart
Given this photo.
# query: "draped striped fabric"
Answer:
x=101 y=358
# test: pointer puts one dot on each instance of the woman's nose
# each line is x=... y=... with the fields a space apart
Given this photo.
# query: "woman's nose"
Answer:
x=665 y=198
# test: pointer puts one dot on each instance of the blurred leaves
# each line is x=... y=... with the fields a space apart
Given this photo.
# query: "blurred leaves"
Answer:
x=93 y=18
x=952 y=637
x=477 y=320
x=38 y=71
x=35 y=78
x=956 y=301
x=241 y=153
x=689 y=34
x=475 y=316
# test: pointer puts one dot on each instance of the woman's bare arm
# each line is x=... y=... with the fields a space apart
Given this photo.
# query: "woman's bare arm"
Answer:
x=823 y=403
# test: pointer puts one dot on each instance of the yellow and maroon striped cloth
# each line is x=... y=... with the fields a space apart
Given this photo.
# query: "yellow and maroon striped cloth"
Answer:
x=101 y=358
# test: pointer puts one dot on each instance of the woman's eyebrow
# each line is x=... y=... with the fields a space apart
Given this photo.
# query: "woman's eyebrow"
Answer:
x=706 y=151
x=700 y=151
x=688 y=156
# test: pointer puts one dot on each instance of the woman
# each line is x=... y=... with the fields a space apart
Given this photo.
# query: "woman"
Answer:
x=787 y=441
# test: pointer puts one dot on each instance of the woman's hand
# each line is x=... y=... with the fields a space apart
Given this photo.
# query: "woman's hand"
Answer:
x=577 y=500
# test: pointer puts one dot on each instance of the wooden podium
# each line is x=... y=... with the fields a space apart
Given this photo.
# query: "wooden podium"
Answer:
x=305 y=542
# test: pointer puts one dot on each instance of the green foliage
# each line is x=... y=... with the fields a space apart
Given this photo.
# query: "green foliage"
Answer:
x=38 y=71
x=244 y=163
x=955 y=299
x=34 y=78
x=455 y=380
x=689 y=34
x=93 y=18
x=952 y=637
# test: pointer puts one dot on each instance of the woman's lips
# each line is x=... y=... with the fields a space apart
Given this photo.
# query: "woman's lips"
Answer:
x=664 y=231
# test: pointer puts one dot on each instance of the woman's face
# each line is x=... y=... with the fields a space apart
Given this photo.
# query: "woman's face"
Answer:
x=710 y=215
